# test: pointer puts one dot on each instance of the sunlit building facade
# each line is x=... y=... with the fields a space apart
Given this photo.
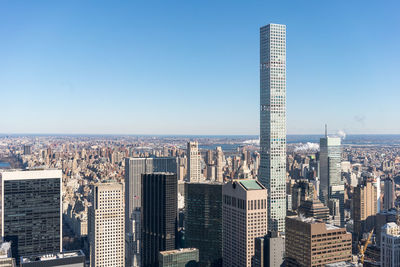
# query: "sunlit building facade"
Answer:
x=273 y=121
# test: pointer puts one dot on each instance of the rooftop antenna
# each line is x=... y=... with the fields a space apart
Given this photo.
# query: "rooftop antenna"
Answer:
x=326 y=130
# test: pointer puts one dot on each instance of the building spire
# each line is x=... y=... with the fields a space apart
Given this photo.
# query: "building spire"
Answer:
x=326 y=130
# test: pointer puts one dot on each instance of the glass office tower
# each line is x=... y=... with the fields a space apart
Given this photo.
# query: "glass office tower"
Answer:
x=134 y=168
x=203 y=221
x=159 y=216
x=332 y=185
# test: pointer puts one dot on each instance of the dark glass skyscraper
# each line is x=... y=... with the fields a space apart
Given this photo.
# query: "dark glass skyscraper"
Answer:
x=159 y=216
x=134 y=168
x=31 y=211
x=203 y=221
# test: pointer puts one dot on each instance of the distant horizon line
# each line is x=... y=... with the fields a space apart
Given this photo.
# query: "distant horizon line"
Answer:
x=180 y=135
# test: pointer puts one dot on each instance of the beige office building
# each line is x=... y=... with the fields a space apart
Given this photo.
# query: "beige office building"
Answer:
x=106 y=225
x=313 y=243
x=390 y=245
x=219 y=155
x=364 y=207
x=194 y=162
x=244 y=218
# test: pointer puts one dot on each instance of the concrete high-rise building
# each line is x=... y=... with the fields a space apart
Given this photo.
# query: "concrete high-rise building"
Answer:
x=273 y=121
x=330 y=170
x=219 y=164
x=31 y=211
x=134 y=168
x=244 y=218
x=62 y=259
x=181 y=171
x=27 y=149
x=159 y=216
x=194 y=162
x=390 y=245
x=302 y=191
x=334 y=211
x=315 y=209
x=203 y=221
x=106 y=223
x=310 y=243
x=6 y=259
x=269 y=251
x=377 y=184
x=209 y=157
x=186 y=257
x=210 y=172
x=389 y=194
x=364 y=207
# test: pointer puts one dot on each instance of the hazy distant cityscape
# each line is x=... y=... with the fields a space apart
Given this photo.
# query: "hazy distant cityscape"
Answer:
x=88 y=160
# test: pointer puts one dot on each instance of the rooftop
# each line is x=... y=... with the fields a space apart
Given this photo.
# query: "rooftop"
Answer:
x=251 y=184
x=5 y=251
x=46 y=257
x=31 y=174
x=341 y=264
x=178 y=251
x=312 y=220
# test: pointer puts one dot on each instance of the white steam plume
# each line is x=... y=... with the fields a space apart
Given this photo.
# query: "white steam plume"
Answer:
x=341 y=134
x=307 y=147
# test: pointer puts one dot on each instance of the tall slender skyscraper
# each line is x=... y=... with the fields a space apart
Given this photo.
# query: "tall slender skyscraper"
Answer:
x=31 y=211
x=273 y=122
x=106 y=225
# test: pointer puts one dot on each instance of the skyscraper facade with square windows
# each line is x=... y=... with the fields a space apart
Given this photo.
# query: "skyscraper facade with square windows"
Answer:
x=244 y=218
x=31 y=211
x=106 y=225
x=272 y=173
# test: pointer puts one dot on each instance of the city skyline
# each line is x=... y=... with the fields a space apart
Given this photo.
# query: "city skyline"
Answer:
x=65 y=69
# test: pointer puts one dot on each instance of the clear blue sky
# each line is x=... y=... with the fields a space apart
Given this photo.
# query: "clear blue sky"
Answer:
x=191 y=67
